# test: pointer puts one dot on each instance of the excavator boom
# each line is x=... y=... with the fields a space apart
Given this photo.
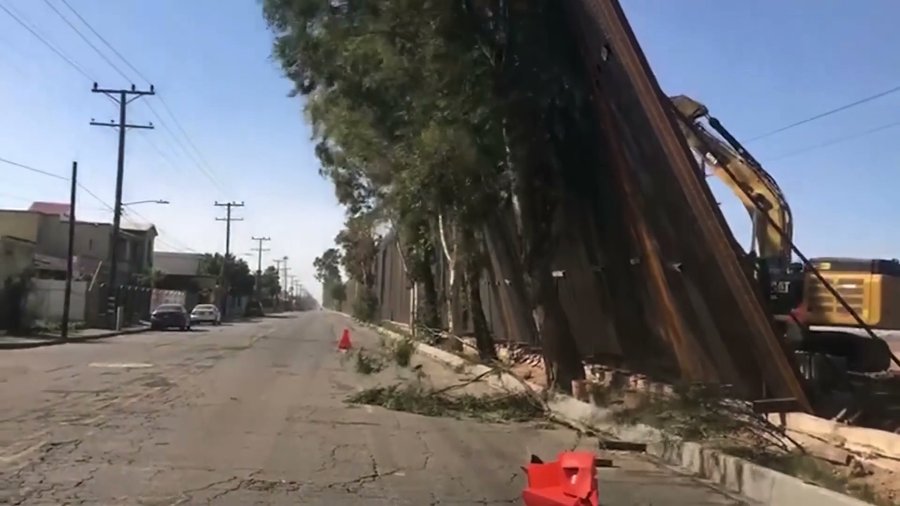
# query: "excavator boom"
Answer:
x=734 y=166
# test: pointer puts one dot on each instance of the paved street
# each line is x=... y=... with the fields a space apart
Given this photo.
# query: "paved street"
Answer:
x=253 y=413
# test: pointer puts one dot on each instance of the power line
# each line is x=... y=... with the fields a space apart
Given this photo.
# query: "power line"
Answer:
x=197 y=161
x=186 y=136
x=836 y=140
x=55 y=176
x=32 y=169
x=105 y=42
x=85 y=39
x=46 y=43
x=94 y=195
x=174 y=244
x=827 y=113
x=196 y=156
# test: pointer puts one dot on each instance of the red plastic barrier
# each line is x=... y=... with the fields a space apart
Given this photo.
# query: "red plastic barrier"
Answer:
x=569 y=481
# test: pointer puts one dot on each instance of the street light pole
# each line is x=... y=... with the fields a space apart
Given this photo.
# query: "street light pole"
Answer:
x=158 y=201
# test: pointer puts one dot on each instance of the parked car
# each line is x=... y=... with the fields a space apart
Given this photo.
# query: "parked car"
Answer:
x=166 y=316
x=206 y=313
x=254 y=308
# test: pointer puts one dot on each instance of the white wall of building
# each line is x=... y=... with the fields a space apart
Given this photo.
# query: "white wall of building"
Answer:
x=166 y=297
x=46 y=297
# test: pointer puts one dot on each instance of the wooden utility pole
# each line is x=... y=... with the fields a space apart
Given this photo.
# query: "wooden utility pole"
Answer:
x=259 y=252
x=121 y=97
x=67 y=296
x=285 y=268
x=222 y=275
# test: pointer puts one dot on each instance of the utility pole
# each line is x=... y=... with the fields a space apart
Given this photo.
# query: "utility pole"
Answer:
x=259 y=250
x=67 y=296
x=121 y=97
x=278 y=266
x=285 y=268
x=227 y=219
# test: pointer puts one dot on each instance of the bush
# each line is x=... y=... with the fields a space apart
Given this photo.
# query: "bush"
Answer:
x=403 y=351
x=365 y=307
x=367 y=364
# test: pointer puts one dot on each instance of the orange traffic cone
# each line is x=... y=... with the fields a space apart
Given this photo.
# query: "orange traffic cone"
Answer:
x=344 y=343
x=570 y=481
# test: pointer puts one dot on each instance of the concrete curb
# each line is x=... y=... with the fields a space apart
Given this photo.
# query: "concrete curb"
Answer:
x=734 y=474
x=39 y=342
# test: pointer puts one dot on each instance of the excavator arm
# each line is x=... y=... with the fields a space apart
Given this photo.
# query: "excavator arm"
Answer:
x=734 y=166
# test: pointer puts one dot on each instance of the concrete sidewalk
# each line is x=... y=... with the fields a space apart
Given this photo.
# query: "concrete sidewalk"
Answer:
x=16 y=343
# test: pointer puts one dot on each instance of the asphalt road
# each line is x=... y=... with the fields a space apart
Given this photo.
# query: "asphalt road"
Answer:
x=254 y=413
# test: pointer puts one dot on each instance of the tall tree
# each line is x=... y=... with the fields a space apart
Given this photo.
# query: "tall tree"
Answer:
x=421 y=120
x=239 y=278
x=270 y=282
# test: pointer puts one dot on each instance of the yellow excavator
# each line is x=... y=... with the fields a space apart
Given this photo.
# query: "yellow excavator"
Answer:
x=805 y=296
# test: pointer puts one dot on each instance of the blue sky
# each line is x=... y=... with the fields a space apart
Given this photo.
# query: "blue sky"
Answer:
x=763 y=64
x=209 y=60
x=757 y=65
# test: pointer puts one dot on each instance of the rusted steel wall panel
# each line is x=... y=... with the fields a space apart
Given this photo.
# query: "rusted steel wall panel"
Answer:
x=697 y=290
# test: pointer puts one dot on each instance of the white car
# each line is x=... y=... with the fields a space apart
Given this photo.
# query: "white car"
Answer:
x=206 y=313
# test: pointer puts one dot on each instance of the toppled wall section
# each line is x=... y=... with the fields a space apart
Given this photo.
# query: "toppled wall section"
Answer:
x=649 y=274
x=696 y=293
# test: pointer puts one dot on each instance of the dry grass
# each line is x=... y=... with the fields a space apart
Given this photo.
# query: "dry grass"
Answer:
x=414 y=398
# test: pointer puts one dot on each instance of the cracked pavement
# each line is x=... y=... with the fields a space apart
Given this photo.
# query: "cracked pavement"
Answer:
x=253 y=413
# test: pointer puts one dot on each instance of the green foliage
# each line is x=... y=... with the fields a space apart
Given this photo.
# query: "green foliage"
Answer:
x=270 y=282
x=237 y=273
x=401 y=102
x=365 y=307
x=401 y=350
x=14 y=291
x=151 y=278
x=328 y=266
x=415 y=398
x=366 y=363
x=360 y=246
x=427 y=108
x=338 y=291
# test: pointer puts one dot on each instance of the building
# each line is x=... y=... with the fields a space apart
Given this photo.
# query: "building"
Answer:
x=47 y=226
x=181 y=271
x=16 y=257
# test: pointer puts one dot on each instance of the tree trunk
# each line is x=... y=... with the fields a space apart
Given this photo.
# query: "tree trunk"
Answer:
x=484 y=341
x=430 y=316
x=539 y=188
x=451 y=255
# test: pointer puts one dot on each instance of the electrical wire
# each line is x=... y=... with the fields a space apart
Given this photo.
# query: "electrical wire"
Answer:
x=32 y=169
x=105 y=42
x=81 y=70
x=86 y=40
x=55 y=176
x=47 y=43
x=178 y=245
x=196 y=156
x=203 y=170
x=836 y=140
x=827 y=113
